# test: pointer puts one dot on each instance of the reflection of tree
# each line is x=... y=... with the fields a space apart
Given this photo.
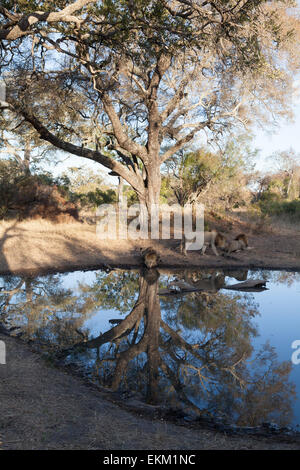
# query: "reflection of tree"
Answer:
x=195 y=354
x=279 y=277
x=208 y=311
x=43 y=309
x=268 y=393
x=116 y=289
x=138 y=342
x=250 y=391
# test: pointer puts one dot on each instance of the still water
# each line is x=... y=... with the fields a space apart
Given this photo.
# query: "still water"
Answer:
x=213 y=352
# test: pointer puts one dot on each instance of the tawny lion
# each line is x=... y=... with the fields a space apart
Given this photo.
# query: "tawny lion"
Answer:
x=213 y=239
x=239 y=243
x=150 y=257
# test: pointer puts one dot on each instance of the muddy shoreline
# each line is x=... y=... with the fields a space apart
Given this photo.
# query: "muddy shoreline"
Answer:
x=163 y=267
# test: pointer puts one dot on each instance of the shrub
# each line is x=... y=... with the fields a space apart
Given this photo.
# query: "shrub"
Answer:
x=273 y=206
x=24 y=195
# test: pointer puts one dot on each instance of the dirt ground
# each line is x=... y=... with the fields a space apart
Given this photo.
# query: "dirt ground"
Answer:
x=42 y=407
x=40 y=246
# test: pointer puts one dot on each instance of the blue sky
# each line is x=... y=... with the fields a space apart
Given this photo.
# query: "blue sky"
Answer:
x=286 y=136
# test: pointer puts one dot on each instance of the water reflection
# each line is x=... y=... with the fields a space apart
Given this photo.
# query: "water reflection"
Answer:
x=192 y=351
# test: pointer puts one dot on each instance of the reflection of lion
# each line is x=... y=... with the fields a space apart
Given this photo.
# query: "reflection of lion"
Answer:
x=213 y=239
x=238 y=244
x=238 y=274
x=150 y=257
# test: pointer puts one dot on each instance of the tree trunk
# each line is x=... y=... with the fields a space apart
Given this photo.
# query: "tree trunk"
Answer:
x=150 y=202
x=26 y=161
x=120 y=191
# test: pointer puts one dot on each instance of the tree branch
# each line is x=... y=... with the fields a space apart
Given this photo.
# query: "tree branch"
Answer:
x=96 y=156
x=181 y=143
x=21 y=26
x=123 y=140
x=154 y=118
x=175 y=100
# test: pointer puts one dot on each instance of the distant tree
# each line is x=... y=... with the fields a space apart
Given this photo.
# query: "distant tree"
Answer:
x=288 y=164
x=194 y=174
x=20 y=142
x=88 y=187
x=83 y=179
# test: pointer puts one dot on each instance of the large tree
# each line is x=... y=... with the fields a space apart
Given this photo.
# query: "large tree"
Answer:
x=127 y=84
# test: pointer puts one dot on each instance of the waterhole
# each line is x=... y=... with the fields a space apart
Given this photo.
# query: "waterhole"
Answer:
x=184 y=340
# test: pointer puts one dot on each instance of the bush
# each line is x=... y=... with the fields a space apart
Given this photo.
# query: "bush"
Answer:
x=96 y=198
x=273 y=206
x=24 y=195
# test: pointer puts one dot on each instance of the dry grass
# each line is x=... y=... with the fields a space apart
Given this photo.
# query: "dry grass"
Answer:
x=42 y=246
x=284 y=222
x=259 y=224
